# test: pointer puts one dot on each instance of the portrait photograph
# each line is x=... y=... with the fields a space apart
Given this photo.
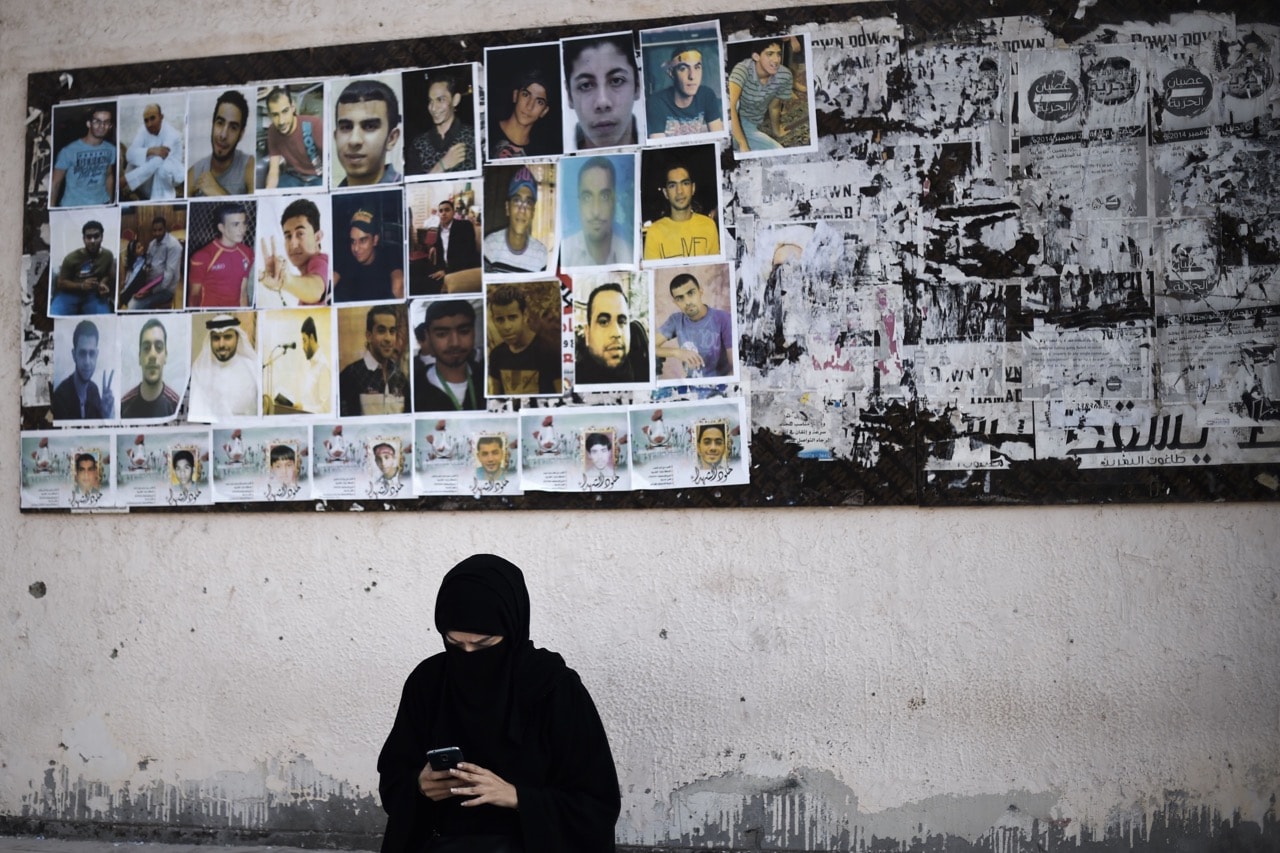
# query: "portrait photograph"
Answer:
x=373 y=350
x=441 y=133
x=292 y=131
x=166 y=467
x=604 y=108
x=225 y=369
x=86 y=370
x=445 y=236
x=555 y=456
x=689 y=444
x=85 y=162
x=262 y=463
x=67 y=470
x=153 y=135
x=611 y=331
x=599 y=211
x=448 y=356
x=695 y=324
x=680 y=204
x=297 y=372
x=523 y=347
x=154 y=368
x=292 y=258
x=770 y=100
x=369 y=460
x=83 y=271
x=520 y=236
x=221 y=236
x=368 y=246
x=221 y=143
x=153 y=256
x=684 y=91
x=522 y=92
x=467 y=454
x=365 y=114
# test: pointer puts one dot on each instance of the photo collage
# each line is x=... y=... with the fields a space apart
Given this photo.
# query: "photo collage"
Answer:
x=400 y=284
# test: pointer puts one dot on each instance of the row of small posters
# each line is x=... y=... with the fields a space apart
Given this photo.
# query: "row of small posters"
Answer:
x=678 y=445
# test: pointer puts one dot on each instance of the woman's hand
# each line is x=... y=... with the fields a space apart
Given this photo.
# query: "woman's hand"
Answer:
x=435 y=784
x=482 y=786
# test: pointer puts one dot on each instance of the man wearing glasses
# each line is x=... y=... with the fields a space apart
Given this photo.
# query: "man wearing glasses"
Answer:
x=514 y=248
x=84 y=172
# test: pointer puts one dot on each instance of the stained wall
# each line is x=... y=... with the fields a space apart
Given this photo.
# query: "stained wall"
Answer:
x=777 y=679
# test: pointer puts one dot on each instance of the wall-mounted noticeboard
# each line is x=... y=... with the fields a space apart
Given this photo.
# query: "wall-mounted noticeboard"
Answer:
x=838 y=255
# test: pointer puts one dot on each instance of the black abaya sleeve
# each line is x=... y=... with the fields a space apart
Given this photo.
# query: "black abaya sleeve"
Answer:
x=574 y=808
x=402 y=759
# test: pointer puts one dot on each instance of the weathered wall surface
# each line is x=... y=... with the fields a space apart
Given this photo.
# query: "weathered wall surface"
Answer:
x=1005 y=679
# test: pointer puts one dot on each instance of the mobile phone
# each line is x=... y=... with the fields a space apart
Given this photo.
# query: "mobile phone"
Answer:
x=445 y=758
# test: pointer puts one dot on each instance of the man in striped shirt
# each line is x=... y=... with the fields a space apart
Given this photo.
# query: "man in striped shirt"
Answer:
x=757 y=87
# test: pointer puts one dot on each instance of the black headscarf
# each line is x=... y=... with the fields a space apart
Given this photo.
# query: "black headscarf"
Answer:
x=483 y=594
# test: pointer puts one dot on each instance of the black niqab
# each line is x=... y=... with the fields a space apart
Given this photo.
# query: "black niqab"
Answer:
x=484 y=594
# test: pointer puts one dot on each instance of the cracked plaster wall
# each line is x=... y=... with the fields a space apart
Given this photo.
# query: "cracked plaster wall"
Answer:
x=776 y=680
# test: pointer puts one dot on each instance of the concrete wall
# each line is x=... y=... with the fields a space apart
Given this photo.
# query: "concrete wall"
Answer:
x=1012 y=679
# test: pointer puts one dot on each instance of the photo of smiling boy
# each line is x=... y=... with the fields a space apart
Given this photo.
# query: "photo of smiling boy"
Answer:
x=770 y=105
x=602 y=89
x=440 y=122
x=367 y=128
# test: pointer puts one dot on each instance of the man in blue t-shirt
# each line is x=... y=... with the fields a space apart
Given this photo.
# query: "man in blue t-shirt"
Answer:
x=698 y=336
x=688 y=107
x=84 y=172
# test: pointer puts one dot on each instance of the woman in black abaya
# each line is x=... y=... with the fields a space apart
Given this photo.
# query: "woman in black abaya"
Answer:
x=538 y=774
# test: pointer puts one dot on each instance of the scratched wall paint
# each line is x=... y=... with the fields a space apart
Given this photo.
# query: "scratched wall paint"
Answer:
x=902 y=677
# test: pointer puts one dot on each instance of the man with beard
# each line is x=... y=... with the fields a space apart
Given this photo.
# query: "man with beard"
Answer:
x=317 y=384
x=154 y=159
x=374 y=384
x=77 y=397
x=698 y=336
x=224 y=379
x=163 y=271
x=84 y=172
x=514 y=248
x=86 y=277
x=295 y=148
x=453 y=382
x=302 y=240
x=682 y=233
x=366 y=129
x=449 y=145
x=687 y=107
x=613 y=348
x=227 y=170
x=596 y=244
x=220 y=270
x=368 y=273
x=151 y=398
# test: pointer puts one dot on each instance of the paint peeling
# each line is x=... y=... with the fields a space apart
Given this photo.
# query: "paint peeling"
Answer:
x=277 y=796
x=813 y=810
